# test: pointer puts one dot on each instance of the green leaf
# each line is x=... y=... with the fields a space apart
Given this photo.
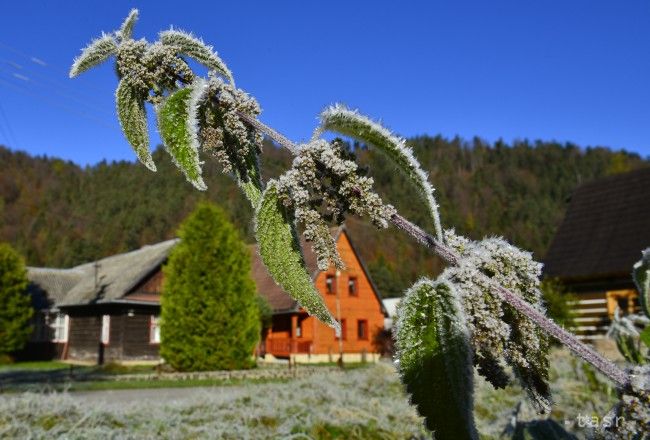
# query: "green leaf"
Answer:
x=628 y=348
x=126 y=30
x=348 y=122
x=193 y=47
x=281 y=253
x=177 y=123
x=641 y=275
x=435 y=358
x=645 y=336
x=133 y=119
x=95 y=53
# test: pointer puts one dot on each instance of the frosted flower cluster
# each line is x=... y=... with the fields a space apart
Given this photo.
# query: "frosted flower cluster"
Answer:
x=323 y=185
x=221 y=131
x=151 y=68
x=500 y=334
x=633 y=409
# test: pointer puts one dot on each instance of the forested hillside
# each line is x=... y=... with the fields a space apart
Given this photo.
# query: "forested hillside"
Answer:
x=59 y=214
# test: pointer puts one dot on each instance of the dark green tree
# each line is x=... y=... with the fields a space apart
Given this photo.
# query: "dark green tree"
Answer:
x=15 y=304
x=210 y=314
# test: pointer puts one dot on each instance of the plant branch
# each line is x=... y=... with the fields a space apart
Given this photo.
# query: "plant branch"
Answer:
x=584 y=351
x=568 y=339
x=277 y=137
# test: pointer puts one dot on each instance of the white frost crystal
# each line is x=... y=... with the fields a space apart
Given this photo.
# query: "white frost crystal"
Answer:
x=341 y=119
x=500 y=334
x=323 y=185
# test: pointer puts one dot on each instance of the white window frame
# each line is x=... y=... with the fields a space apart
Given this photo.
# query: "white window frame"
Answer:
x=60 y=329
x=106 y=329
x=154 y=329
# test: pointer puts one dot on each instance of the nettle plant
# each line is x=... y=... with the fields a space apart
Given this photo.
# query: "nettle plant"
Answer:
x=484 y=311
x=632 y=332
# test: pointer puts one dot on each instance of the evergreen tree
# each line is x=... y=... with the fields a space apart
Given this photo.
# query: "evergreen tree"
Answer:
x=15 y=304
x=210 y=314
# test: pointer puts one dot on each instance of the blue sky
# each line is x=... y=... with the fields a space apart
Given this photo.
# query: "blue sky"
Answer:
x=569 y=71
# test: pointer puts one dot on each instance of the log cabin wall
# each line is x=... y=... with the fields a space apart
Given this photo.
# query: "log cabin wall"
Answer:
x=136 y=344
x=84 y=335
x=129 y=336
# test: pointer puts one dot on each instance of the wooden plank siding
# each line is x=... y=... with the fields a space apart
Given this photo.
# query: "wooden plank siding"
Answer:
x=594 y=311
x=316 y=338
x=129 y=334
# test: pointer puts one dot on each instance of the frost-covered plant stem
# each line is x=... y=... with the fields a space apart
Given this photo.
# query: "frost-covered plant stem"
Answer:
x=584 y=351
x=591 y=356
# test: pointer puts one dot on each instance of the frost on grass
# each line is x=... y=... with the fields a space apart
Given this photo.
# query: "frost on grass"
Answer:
x=500 y=334
x=348 y=122
x=359 y=404
x=324 y=184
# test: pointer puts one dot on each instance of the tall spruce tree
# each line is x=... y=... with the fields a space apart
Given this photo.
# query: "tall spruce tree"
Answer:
x=210 y=315
x=15 y=304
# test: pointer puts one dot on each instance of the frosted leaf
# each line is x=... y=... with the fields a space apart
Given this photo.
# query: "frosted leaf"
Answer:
x=95 y=53
x=281 y=253
x=177 y=124
x=641 y=275
x=633 y=408
x=187 y=44
x=435 y=362
x=348 y=122
x=126 y=30
x=133 y=119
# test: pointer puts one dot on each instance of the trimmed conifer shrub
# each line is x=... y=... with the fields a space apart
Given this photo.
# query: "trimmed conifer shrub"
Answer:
x=210 y=314
x=15 y=304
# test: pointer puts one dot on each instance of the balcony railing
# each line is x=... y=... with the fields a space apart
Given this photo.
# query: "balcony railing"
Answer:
x=287 y=346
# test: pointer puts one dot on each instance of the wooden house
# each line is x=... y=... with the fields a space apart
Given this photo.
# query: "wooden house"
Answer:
x=109 y=310
x=606 y=227
x=350 y=295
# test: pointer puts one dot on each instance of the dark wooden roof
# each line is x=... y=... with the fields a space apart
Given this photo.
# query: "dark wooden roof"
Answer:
x=606 y=227
x=119 y=274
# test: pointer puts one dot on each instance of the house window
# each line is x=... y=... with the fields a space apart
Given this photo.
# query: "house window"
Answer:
x=344 y=330
x=106 y=329
x=330 y=284
x=299 y=329
x=352 y=286
x=59 y=326
x=625 y=300
x=362 y=330
x=154 y=330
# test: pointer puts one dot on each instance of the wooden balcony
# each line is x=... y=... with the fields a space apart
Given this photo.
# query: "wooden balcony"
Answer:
x=283 y=347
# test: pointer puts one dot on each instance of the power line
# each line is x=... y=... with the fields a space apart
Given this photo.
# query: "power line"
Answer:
x=54 y=103
x=55 y=89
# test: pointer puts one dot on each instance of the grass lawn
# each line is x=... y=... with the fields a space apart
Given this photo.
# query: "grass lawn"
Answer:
x=33 y=366
x=363 y=403
x=105 y=385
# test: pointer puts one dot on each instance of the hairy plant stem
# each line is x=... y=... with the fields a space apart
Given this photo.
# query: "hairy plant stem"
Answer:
x=588 y=354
